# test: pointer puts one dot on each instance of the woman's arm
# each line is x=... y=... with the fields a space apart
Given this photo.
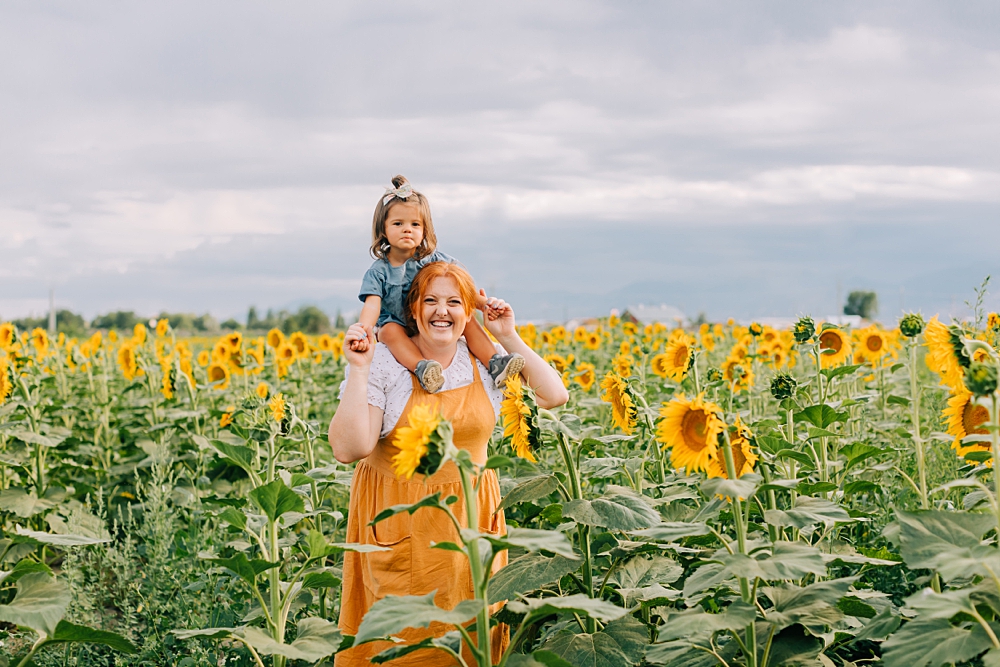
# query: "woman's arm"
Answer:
x=548 y=386
x=356 y=425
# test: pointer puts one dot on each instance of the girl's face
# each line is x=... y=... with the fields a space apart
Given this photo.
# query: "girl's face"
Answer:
x=404 y=228
x=442 y=316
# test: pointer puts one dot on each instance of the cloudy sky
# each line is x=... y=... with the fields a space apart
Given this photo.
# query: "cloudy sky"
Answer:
x=741 y=159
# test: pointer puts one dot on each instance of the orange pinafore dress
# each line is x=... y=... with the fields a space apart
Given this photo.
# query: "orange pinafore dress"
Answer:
x=412 y=567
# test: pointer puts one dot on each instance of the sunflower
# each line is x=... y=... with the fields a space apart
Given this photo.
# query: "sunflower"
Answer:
x=744 y=458
x=837 y=342
x=422 y=443
x=139 y=333
x=965 y=417
x=277 y=406
x=218 y=375
x=299 y=343
x=580 y=335
x=162 y=327
x=559 y=333
x=204 y=358
x=738 y=373
x=676 y=358
x=128 y=362
x=873 y=344
x=285 y=353
x=547 y=338
x=275 y=338
x=690 y=429
x=520 y=418
x=262 y=390
x=624 y=412
x=326 y=342
x=113 y=336
x=234 y=341
x=557 y=361
x=708 y=341
x=7 y=335
x=585 y=375
x=6 y=386
x=993 y=321
x=593 y=341
x=622 y=365
x=629 y=328
x=227 y=417
x=40 y=340
x=168 y=385
x=337 y=347
x=941 y=357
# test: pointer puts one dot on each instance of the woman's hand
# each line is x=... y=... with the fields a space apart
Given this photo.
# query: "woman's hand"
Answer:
x=360 y=347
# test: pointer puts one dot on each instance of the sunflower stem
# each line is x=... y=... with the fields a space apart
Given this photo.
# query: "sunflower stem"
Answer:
x=482 y=652
x=995 y=449
x=918 y=442
x=741 y=542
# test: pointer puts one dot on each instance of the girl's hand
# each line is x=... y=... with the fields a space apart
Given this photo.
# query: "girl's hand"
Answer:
x=499 y=319
x=360 y=346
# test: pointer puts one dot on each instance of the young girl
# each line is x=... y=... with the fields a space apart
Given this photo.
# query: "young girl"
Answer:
x=403 y=242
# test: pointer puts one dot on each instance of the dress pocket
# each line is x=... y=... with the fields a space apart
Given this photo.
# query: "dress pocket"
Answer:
x=390 y=572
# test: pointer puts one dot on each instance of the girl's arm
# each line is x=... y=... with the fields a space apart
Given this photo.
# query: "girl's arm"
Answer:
x=368 y=318
x=547 y=383
x=356 y=425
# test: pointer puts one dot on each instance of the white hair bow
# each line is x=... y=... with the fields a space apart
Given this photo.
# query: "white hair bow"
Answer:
x=403 y=191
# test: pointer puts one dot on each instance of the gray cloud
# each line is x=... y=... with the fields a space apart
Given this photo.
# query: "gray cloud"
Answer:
x=725 y=157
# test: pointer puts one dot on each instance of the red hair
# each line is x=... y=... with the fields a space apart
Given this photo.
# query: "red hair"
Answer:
x=422 y=282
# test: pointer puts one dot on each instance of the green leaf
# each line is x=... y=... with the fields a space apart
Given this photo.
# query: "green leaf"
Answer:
x=809 y=511
x=880 y=627
x=243 y=567
x=316 y=639
x=319 y=580
x=948 y=542
x=641 y=572
x=239 y=455
x=234 y=518
x=619 y=644
x=814 y=606
x=23 y=503
x=832 y=373
x=39 y=604
x=452 y=641
x=34 y=438
x=433 y=500
x=796 y=455
x=528 y=573
x=537 y=608
x=821 y=416
x=530 y=490
x=67 y=632
x=744 y=487
x=810 y=488
x=23 y=567
x=60 y=540
x=535 y=540
x=208 y=633
x=932 y=643
x=537 y=659
x=498 y=461
x=693 y=625
x=619 y=508
x=792 y=647
x=681 y=653
x=274 y=499
x=671 y=531
x=392 y=614
x=860 y=486
x=852 y=606
x=933 y=605
x=788 y=561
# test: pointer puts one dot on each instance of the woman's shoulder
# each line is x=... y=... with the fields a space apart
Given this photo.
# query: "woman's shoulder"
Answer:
x=384 y=364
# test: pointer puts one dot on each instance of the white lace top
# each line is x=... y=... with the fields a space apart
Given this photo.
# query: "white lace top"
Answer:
x=390 y=386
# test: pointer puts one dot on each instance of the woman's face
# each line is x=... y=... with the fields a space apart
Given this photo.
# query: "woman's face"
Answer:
x=442 y=317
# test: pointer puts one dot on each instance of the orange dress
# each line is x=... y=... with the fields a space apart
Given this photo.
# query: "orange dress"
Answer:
x=412 y=567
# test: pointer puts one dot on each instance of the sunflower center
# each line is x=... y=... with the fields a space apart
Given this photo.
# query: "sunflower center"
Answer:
x=681 y=356
x=694 y=428
x=874 y=343
x=974 y=416
x=829 y=340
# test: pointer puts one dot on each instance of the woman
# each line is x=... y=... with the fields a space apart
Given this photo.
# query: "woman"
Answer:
x=376 y=398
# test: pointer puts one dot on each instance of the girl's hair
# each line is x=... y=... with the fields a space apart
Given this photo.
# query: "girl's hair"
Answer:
x=422 y=282
x=380 y=243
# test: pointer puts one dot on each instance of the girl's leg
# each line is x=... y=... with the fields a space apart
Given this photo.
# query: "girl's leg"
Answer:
x=478 y=341
x=404 y=349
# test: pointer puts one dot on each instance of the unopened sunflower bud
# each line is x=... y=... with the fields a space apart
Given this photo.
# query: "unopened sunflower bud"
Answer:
x=981 y=378
x=756 y=329
x=783 y=386
x=911 y=325
x=714 y=374
x=804 y=329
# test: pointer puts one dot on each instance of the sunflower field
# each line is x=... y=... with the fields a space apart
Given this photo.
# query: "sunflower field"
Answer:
x=716 y=495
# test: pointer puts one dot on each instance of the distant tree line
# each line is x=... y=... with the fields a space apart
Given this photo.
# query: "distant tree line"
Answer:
x=308 y=319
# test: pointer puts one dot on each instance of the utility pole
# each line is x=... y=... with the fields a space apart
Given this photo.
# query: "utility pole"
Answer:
x=52 y=311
